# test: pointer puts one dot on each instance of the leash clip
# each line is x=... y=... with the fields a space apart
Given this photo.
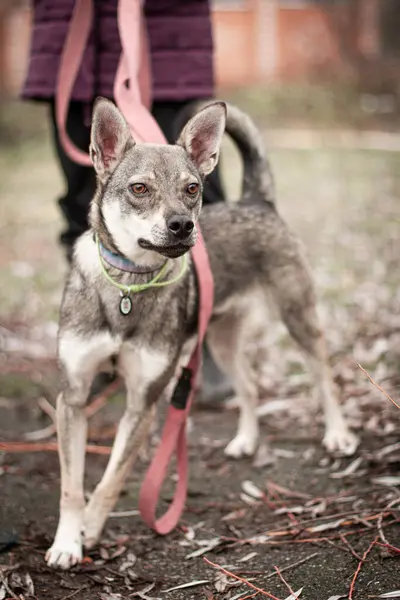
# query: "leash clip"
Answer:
x=182 y=389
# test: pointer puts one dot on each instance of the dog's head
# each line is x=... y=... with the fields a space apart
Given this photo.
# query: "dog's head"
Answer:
x=149 y=196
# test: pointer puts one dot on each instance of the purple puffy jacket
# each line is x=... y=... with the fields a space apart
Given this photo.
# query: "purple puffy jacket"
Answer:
x=181 y=47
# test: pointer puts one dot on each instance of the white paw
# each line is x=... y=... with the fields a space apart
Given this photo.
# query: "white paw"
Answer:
x=64 y=556
x=341 y=440
x=241 y=445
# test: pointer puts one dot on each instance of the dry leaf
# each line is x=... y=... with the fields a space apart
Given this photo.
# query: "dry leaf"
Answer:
x=118 y=552
x=124 y=514
x=389 y=480
x=235 y=514
x=29 y=585
x=207 y=545
x=349 y=470
x=326 y=526
x=248 y=499
x=295 y=595
x=250 y=489
x=187 y=585
x=336 y=597
x=221 y=582
x=296 y=510
x=248 y=557
x=264 y=457
x=395 y=594
x=128 y=563
x=387 y=450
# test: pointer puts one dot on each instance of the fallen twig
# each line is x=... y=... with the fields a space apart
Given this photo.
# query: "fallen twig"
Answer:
x=92 y=409
x=248 y=583
x=14 y=447
x=293 y=565
x=272 y=486
x=389 y=547
x=350 y=547
x=360 y=564
x=380 y=519
x=74 y=593
x=281 y=577
x=378 y=386
x=102 y=399
x=47 y=408
x=41 y=434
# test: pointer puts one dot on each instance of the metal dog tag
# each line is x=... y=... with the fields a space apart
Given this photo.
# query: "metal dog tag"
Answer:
x=125 y=305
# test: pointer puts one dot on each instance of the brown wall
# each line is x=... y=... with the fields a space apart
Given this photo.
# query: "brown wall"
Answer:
x=306 y=44
x=14 y=47
x=235 y=47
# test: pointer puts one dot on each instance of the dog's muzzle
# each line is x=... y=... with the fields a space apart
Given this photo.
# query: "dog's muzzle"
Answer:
x=169 y=250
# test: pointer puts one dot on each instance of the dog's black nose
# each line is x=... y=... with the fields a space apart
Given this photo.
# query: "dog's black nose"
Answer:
x=180 y=226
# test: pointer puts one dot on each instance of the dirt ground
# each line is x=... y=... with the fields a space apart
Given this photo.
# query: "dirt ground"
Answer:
x=312 y=516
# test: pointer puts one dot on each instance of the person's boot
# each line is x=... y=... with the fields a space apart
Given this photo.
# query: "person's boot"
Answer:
x=215 y=386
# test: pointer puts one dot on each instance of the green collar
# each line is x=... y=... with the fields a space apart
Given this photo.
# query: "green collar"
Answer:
x=135 y=288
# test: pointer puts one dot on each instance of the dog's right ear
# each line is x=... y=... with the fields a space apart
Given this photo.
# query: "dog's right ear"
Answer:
x=110 y=138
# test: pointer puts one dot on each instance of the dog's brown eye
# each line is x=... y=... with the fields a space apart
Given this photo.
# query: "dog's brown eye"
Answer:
x=192 y=189
x=138 y=188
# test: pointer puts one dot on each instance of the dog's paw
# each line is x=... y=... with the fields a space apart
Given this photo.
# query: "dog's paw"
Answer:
x=341 y=440
x=241 y=446
x=64 y=556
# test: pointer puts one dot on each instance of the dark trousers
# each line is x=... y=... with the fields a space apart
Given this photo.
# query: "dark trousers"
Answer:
x=81 y=181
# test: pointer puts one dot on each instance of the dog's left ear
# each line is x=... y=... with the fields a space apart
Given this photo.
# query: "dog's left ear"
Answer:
x=110 y=138
x=202 y=136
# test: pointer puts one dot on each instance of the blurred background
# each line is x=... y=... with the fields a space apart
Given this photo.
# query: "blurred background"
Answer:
x=321 y=79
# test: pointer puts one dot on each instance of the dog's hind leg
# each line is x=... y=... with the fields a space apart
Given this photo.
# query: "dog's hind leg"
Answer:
x=80 y=359
x=146 y=374
x=294 y=294
x=227 y=338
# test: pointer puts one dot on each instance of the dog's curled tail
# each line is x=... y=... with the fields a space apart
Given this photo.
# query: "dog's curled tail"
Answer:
x=258 y=182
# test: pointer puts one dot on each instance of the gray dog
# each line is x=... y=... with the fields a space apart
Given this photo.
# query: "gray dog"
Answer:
x=144 y=220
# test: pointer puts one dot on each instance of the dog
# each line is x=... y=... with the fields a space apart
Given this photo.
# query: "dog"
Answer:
x=145 y=215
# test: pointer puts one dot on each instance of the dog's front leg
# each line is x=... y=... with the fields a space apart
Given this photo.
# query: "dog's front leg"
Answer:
x=72 y=429
x=146 y=374
x=80 y=358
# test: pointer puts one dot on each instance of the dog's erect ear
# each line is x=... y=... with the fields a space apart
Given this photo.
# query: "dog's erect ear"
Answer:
x=202 y=135
x=110 y=137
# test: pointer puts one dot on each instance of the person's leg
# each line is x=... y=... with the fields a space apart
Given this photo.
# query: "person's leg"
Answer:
x=171 y=117
x=80 y=181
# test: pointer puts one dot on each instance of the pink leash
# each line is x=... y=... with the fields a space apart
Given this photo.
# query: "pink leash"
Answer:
x=134 y=102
